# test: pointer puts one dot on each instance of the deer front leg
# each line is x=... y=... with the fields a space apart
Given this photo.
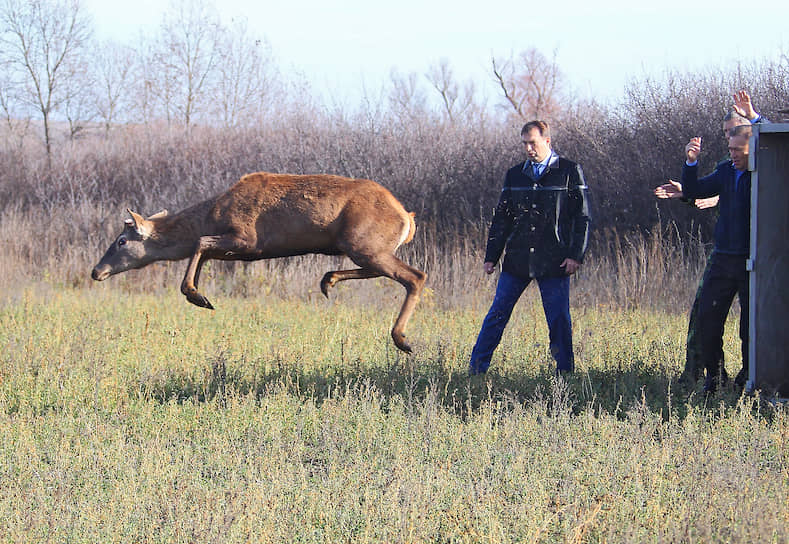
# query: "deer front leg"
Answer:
x=189 y=284
x=227 y=247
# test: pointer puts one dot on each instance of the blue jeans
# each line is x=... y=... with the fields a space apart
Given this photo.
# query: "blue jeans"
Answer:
x=555 y=293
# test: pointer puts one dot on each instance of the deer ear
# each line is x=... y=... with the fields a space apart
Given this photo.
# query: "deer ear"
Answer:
x=139 y=224
x=158 y=215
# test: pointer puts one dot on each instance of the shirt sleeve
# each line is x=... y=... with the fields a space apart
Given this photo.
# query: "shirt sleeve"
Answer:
x=695 y=187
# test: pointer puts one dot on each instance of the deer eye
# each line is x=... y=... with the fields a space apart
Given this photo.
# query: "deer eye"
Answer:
x=121 y=242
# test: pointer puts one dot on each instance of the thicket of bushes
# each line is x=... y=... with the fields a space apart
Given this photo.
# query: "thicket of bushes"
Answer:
x=448 y=171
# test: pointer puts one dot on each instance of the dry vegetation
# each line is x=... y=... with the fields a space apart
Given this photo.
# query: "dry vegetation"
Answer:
x=127 y=415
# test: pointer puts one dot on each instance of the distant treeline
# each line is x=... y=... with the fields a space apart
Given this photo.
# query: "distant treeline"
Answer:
x=449 y=171
x=178 y=117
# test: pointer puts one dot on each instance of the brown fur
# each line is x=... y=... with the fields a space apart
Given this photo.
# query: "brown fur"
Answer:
x=266 y=216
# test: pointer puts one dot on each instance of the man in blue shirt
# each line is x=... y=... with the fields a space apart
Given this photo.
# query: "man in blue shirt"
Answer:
x=726 y=275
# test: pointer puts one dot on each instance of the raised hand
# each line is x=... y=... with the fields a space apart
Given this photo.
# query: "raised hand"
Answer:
x=672 y=189
x=704 y=203
x=693 y=149
x=743 y=105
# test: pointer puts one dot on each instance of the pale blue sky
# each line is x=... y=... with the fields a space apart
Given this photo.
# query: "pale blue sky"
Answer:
x=340 y=45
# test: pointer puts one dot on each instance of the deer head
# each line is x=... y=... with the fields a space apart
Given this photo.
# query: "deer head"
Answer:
x=133 y=248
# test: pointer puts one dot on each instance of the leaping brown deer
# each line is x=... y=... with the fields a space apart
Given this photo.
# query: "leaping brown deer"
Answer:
x=264 y=216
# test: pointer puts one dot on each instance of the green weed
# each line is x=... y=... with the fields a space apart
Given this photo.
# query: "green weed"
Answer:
x=139 y=418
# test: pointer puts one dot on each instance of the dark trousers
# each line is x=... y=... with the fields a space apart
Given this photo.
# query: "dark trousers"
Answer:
x=555 y=293
x=694 y=364
x=724 y=278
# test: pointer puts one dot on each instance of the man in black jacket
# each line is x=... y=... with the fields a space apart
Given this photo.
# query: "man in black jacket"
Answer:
x=542 y=219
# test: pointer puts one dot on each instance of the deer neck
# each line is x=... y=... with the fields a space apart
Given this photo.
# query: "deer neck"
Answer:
x=176 y=236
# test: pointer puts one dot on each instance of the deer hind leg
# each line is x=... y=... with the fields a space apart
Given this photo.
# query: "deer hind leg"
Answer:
x=332 y=278
x=409 y=277
x=228 y=247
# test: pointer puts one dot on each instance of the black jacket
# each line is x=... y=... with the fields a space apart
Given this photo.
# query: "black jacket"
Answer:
x=540 y=222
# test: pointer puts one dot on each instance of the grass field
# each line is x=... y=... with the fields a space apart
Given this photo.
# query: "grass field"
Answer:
x=136 y=417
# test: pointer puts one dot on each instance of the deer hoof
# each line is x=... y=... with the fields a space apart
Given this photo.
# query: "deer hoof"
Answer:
x=399 y=340
x=198 y=299
x=326 y=283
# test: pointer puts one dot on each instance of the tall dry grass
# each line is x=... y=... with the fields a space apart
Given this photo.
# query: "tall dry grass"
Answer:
x=54 y=224
x=61 y=246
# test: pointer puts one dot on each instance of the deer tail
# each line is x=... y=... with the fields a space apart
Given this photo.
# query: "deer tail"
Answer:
x=411 y=228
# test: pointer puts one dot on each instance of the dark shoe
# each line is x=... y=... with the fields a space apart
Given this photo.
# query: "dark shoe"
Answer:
x=742 y=378
x=712 y=381
x=474 y=372
x=710 y=384
x=688 y=380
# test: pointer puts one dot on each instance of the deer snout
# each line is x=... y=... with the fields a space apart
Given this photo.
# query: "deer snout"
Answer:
x=100 y=273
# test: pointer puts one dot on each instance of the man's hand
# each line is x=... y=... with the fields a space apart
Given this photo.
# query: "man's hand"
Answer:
x=693 y=149
x=570 y=266
x=743 y=105
x=672 y=189
x=489 y=267
x=704 y=203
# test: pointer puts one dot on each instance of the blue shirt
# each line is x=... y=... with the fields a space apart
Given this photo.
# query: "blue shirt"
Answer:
x=528 y=168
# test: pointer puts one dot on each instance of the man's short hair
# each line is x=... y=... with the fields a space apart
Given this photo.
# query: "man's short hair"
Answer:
x=741 y=130
x=734 y=116
x=541 y=126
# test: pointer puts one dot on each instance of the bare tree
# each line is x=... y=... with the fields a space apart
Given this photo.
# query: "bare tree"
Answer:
x=531 y=84
x=148 y=87
x=17 y=126
x=113 y=65
x=441 y=78
x=185 y=58
x=406 y=98
x=246 y=77
x=42 y=42
x=78 y=105
x=455 y=100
